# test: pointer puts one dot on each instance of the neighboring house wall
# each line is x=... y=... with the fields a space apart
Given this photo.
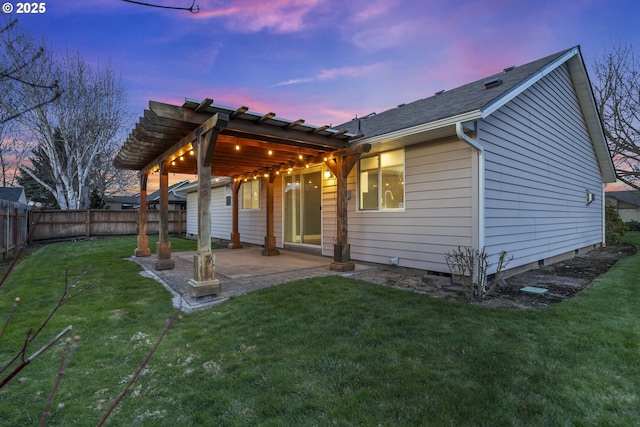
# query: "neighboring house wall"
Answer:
x=539 y=164
x=628 y=214
x=252 y=222
x=220 y=213
x=192 y=213
x=627 y=211
x=438 y=213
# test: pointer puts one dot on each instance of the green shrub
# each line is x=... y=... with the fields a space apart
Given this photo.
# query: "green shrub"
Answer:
x=615 y=227
x=633 y=225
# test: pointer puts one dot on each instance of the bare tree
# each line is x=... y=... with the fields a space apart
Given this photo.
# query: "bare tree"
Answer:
x=107 y=180
x=78 y=128
x=18 y=53
x=13 y=152
x=617 y=91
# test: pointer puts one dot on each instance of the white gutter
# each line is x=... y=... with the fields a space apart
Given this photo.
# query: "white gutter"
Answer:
x=604 y=215
x=425 y=127
x=481 y=193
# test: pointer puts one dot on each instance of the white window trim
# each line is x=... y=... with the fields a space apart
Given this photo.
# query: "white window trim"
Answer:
x=259 y=196
x=404 y=187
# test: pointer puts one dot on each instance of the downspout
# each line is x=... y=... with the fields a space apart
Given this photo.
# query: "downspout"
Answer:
x=481 y=193
x=604 y=216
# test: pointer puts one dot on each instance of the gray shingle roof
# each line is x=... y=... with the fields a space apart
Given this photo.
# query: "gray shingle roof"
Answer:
x=470 y=97
x=630 y=197
x=173 y=197
x=11 y=194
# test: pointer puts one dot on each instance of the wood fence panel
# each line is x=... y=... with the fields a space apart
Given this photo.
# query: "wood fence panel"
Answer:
x=58 y=224
x=14 y=223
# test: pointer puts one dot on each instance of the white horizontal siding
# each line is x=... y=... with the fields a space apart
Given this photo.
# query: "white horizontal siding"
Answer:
x=278 y=211
x=438 y=213
x=539 y=162
x=252 y=223
x=329 y=224
x=192 y=213
x=221 y=214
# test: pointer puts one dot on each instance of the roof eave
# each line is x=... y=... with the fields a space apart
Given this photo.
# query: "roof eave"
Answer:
x=423 y=132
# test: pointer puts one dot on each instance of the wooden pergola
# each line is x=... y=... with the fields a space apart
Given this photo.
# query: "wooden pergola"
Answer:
x=206 y=140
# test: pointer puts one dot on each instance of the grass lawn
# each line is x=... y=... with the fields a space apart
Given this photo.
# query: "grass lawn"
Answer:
x=324 y=351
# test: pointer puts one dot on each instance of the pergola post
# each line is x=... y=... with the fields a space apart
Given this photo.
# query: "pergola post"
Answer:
x=163 y=248
x=235 y=235
x=270 y=248
x=143 y=239
x=341 y=165
x=204 y=282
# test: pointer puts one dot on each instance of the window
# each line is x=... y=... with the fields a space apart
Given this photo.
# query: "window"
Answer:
x=381 y=183
x=227 y=195
x=251 y=194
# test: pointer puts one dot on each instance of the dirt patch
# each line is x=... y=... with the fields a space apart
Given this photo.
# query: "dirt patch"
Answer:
x=561 y=280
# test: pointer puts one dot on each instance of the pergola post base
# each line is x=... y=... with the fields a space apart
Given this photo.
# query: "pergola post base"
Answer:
x=203 y=289
x=342 y=266
x=164 y=261
x=204 y=282
x=142 y=252
x=270 y=246
x=342 y=258
x=235 y=241
x=143 y=247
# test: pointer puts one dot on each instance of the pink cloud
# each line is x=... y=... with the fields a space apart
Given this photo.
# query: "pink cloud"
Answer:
x=247 y=16
x=372 y=9
x=334 y=73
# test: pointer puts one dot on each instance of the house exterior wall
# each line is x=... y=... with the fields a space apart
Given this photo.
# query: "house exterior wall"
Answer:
x=539 y=164
x=252 y=222
x=627 y=211
x=629 y=214
x=192 y=213
x=220 y=214
x=438 y=214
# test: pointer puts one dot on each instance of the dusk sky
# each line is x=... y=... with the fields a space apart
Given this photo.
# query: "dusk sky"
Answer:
x=324 y=61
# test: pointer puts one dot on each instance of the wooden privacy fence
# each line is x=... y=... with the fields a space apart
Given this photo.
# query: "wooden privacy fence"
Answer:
x=14 y=226
x=57 y=224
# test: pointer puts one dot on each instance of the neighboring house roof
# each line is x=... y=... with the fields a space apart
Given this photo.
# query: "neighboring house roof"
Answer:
x=12 y=194
x=437 y=115
x=125 y=200
x=216 y=181
x=174 y=195
x=628 y=197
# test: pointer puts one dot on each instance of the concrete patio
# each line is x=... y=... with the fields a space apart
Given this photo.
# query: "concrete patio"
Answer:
x=240 y=271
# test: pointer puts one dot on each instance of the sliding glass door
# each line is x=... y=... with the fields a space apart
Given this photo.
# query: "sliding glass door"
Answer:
x=302 y=203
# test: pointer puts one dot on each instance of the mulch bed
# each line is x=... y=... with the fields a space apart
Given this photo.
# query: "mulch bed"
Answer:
x=561 y=280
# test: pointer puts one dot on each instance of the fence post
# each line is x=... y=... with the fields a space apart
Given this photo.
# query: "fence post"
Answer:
x=88 y=221
x=7 y=230
x=15 y=227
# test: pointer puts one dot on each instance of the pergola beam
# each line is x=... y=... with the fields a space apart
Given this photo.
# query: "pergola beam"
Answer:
x=215 y=121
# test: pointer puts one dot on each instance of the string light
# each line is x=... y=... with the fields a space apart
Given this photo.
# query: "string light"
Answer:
x=237 y=147
x=181 y=158
x=191 y=152
x=300 y=156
